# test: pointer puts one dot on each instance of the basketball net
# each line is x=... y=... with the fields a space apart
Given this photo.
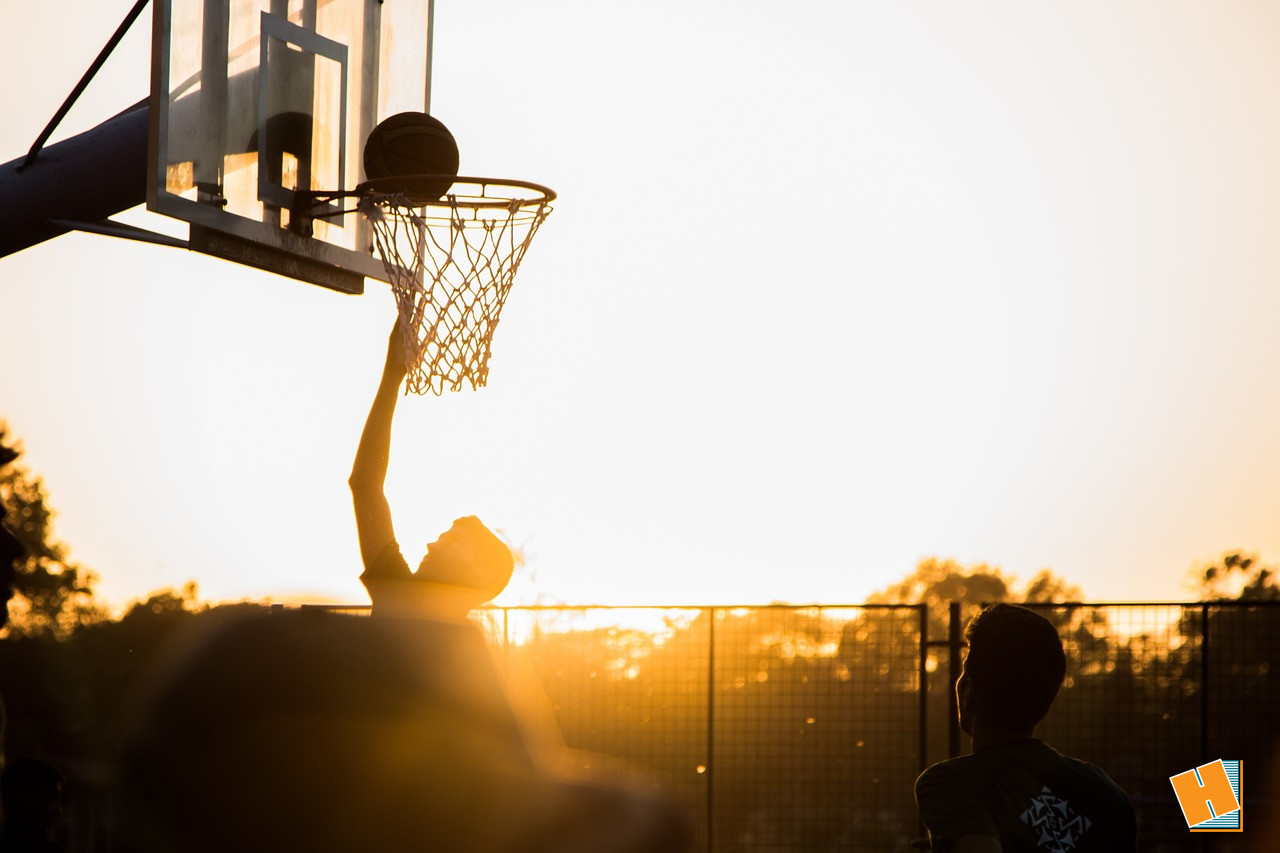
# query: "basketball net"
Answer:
x=451 y=264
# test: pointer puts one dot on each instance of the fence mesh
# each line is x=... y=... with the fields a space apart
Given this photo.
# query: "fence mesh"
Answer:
x=817 y=720
x=628 y=685
x=777 y=728
x=801 y=728
x=1157 y=689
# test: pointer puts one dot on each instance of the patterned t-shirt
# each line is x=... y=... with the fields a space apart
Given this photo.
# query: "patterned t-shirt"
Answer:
x=1031 y=797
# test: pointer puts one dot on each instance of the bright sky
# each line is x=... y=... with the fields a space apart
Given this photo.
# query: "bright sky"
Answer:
x=833 y=285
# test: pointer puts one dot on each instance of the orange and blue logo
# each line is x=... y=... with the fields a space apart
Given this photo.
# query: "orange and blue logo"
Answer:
x=1211 y=796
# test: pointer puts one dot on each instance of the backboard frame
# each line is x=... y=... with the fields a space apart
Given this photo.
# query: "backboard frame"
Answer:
x=221 y=166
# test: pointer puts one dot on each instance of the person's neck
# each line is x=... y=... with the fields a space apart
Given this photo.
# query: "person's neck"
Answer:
x=993 y=735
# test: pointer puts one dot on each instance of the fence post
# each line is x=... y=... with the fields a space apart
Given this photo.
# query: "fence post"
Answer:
x=923 y=613
x=953 y=674
x=1204 y=697
x=711 y=727
x=1204 y=682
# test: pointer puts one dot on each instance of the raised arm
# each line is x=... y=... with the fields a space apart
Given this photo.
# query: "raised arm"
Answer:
x=369 y=472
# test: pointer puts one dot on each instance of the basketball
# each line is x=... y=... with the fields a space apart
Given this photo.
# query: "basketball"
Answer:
x=410 y=145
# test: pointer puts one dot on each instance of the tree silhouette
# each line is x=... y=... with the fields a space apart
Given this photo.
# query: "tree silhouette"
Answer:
x=68 y=699
x=53 y=594
x=1046 y=586
x=1237 y=576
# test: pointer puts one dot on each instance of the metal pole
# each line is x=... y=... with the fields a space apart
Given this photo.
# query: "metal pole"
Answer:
x=711 y=727
x=86 y=178
x=953 y=675
x=1204 y=682
x=83 y=84
x=923 y=614
x=1204 y=697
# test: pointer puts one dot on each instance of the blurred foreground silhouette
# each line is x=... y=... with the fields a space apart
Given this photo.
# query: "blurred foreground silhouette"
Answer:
x=314 y=731
x=31 y=791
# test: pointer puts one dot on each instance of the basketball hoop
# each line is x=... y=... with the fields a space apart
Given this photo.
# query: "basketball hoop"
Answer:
x=451 y=263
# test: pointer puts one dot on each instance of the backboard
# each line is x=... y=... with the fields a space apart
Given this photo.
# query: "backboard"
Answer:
x=254 y=100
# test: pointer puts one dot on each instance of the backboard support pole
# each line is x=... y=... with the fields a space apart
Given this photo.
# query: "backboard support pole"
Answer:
x=84 y=83
x=86 y=178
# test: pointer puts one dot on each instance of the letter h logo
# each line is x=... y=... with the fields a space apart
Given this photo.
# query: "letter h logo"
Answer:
x=1210 y=797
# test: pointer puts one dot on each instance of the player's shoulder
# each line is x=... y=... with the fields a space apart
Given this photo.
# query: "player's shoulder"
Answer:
x=961 y=770
x=980 y=761
x=1085 y=769
x=1101 y=788
x=1112 y=808
x=388 y=564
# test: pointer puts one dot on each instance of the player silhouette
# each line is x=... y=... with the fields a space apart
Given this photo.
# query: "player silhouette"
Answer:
x=465 y=567
x=1015 y=793
x=328 y=733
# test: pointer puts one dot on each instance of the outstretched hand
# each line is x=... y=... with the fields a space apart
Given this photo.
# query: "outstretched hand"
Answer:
x=395 y=367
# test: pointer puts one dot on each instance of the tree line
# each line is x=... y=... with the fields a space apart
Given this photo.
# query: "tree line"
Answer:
x=828 y=701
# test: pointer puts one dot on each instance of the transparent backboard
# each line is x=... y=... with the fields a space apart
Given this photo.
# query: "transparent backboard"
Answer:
x=255 y=100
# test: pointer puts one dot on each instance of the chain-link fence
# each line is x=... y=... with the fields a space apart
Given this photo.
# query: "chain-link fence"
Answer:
x=778 y=728
x=1157 y=689
x=787 y=728
x=803 y=728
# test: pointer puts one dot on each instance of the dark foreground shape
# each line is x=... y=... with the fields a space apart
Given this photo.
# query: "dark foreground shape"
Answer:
x=320 y=732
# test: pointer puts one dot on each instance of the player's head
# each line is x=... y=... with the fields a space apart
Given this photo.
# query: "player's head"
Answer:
x=1014 y=668
x=468 y=556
